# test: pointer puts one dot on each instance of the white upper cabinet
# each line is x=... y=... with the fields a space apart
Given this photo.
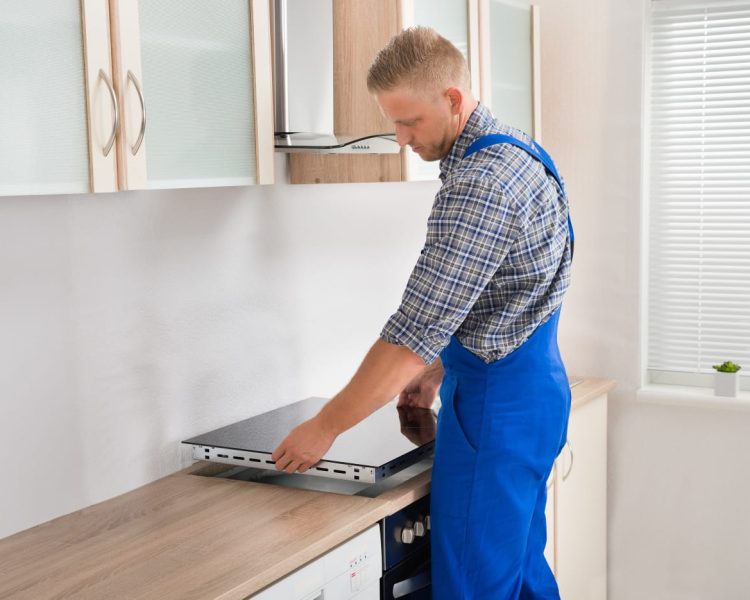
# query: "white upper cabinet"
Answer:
x=45 y=86
x=101 y=95
x=192 y=64
x=509 y=34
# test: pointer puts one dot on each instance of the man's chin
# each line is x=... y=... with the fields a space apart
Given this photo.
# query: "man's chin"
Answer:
x=426 y=155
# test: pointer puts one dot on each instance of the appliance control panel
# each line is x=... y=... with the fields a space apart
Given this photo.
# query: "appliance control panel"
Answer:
x=361 y=573
x=406 y=531
x=351 y=570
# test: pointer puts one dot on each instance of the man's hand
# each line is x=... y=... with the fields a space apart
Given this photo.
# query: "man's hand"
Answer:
x=421 y=391
x=304 y=446
x=418 y=425
x=382 y=374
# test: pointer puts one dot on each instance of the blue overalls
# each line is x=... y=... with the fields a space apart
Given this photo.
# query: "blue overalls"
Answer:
x=500 y=428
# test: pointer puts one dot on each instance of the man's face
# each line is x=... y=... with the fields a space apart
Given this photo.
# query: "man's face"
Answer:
x=427 y=123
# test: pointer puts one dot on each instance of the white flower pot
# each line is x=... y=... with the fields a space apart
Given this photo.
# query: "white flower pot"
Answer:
x=726 y=384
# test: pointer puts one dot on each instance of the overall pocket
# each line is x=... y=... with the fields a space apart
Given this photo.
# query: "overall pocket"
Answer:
x=454 y=425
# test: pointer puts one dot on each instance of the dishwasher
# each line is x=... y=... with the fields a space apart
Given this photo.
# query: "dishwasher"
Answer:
x=349 y=571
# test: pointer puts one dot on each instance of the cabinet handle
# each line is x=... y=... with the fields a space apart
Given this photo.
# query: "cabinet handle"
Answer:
x=135 y=147
x=115 y=110
x=570 y=467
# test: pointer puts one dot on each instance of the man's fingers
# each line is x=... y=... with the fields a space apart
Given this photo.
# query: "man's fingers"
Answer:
x=296 y=465
x=277 y=454
x=302 y=448
x=408 y=398
x=291 y=464
x=285 y=460
x=282 y=462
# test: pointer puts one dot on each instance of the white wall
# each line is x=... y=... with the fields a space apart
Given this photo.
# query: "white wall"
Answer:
x=131 y=321
x=678 y=526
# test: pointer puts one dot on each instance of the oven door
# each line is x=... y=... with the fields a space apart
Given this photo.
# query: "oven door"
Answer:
x=410 y=579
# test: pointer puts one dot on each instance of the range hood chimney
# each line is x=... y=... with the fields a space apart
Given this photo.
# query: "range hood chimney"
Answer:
x=308 y=51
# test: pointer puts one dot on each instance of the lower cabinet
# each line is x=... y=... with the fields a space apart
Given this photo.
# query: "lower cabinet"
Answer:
x=577 y=506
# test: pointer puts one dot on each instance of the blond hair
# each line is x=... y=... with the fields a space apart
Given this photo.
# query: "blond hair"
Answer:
x=420 y=59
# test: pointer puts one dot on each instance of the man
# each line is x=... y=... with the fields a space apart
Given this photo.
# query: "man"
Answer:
x=478 y=319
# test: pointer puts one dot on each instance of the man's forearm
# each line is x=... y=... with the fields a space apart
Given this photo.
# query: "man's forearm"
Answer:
x=384 y=372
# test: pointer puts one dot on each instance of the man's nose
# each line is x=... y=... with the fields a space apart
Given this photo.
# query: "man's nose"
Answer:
x=402 y=136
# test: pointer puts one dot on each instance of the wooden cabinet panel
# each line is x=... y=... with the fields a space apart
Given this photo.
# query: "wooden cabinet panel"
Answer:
x=344 y=168
x=102 y=105
x=128 y=81
x=360 y=29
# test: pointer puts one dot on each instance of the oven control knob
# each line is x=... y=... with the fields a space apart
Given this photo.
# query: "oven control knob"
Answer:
x=419 y=529
x=407 y=535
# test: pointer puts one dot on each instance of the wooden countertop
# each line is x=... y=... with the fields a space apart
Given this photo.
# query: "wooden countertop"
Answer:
x=589 y=389
x=189 y=536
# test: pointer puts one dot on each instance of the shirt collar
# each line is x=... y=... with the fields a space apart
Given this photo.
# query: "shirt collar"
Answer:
x=479 y=123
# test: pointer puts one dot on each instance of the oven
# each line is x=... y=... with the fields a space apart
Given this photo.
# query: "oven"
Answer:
x=406 y=553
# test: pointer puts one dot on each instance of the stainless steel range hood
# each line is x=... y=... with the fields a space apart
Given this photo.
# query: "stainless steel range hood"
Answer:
x=336 y=144
x=303 y=80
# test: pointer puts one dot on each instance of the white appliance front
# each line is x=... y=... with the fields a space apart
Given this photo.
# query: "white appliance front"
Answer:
x=350 y=571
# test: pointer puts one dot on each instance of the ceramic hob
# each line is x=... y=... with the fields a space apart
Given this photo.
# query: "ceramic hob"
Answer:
x=389 y=440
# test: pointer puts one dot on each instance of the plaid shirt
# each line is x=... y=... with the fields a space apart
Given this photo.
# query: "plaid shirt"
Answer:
x=496 y=261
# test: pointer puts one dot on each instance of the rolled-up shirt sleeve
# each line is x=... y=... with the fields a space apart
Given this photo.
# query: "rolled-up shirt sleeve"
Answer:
x=471 y=228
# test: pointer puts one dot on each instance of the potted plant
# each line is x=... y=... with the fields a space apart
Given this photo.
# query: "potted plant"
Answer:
x=727 y=381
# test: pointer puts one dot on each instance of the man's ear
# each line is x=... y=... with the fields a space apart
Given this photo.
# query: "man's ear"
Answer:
x=456 y=98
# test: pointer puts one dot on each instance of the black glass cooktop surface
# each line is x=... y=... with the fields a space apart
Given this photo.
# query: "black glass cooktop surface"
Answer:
x=390 y=439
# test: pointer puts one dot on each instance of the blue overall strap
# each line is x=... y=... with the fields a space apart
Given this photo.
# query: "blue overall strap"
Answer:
x=535 y=150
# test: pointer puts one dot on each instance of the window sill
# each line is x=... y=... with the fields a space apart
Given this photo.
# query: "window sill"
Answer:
x=676 y=395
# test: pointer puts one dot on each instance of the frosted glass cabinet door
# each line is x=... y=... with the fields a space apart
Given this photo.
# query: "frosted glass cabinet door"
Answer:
x=43 y=119
x=196 y=59
x=510 y=56
x=455 y=20
x=450 y=18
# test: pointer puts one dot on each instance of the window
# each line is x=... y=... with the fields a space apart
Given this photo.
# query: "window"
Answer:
x=699 y=196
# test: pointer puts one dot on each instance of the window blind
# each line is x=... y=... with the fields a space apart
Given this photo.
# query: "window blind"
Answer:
x=699 y=200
